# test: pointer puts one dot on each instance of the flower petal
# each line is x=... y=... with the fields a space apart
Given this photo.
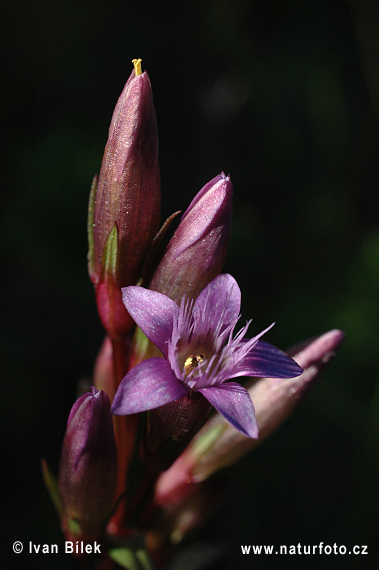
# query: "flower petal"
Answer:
x=265 y=360
x=153 y=312
x=219 y=302
x=233 y=401
x=148 y=385
x=204 y=190
x=212 y=198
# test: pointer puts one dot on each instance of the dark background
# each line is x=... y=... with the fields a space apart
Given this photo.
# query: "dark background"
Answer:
x=284 y=95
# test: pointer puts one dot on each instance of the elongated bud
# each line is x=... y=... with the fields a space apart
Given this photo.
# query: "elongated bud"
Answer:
x=88 y=468
x=196 y=252
x=218 y=445
x=124 y=207
x=194 y=255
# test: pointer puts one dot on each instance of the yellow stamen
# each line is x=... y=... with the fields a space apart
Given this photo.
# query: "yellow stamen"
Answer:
x=191 y=362
x=137 y=66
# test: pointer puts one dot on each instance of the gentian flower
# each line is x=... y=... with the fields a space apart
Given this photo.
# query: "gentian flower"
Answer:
x=200 y=353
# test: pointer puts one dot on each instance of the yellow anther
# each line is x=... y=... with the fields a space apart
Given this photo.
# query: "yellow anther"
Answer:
x=191 y=362
x=137 y=66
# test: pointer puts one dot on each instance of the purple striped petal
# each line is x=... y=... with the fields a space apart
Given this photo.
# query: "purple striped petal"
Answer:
x=200 y=213
x=153 y=312
x=148 y=385
x=220 y=300
x=265 y=360
x=233 y=401
x=204 y=190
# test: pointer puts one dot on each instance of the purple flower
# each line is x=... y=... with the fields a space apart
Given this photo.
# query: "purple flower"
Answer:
x=201 y=354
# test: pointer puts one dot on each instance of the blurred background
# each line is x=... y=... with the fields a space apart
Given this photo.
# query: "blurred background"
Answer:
x=284 y=96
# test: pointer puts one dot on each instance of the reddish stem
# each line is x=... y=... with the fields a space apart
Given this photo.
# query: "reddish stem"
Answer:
x=125 y=428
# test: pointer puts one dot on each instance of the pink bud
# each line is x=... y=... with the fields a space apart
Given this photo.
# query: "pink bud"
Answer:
x=125 y=201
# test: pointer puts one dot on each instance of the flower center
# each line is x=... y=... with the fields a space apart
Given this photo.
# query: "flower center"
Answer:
x=191 y=362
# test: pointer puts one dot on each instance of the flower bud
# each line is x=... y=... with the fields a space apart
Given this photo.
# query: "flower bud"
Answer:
x=124 y=207
x=196 y=252
x=194 y=255
x=218 y=445
x=88 y=467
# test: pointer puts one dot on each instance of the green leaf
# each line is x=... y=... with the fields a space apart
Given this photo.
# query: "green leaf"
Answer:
x=52 y=486
x=131 y=559
x=109 y=261
x=90 y=230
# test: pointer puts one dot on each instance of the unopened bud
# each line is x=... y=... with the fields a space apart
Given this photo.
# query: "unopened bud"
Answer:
x=88 y=468
x=125 y=201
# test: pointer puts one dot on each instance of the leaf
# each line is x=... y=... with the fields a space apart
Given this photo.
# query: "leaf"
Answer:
x=52 y=486
x=109 y=260
x=91 y=239
x=130 y=559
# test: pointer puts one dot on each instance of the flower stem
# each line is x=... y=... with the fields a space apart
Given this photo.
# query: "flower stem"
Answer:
x=125 y=428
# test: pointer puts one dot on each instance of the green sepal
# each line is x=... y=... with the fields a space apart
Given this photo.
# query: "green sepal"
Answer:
x=52 y=486
x=141 y=343
x=90 y=231
x=131 y=559
x=109 y=260
x=74 y=527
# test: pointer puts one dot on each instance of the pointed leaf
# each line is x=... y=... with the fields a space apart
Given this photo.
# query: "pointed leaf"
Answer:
x=52 y=486
x=92 y=261
x=130 y=559
x=109 y=261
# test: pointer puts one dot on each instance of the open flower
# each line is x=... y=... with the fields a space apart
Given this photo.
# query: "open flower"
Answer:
x=200 y=353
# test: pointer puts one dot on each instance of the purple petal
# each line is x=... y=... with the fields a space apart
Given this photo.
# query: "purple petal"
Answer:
x=220 y=301
x=204 y=190
x=233 y=401
x=153 y=312
x=199 y=215
x=148 y=385
x=265 y=360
